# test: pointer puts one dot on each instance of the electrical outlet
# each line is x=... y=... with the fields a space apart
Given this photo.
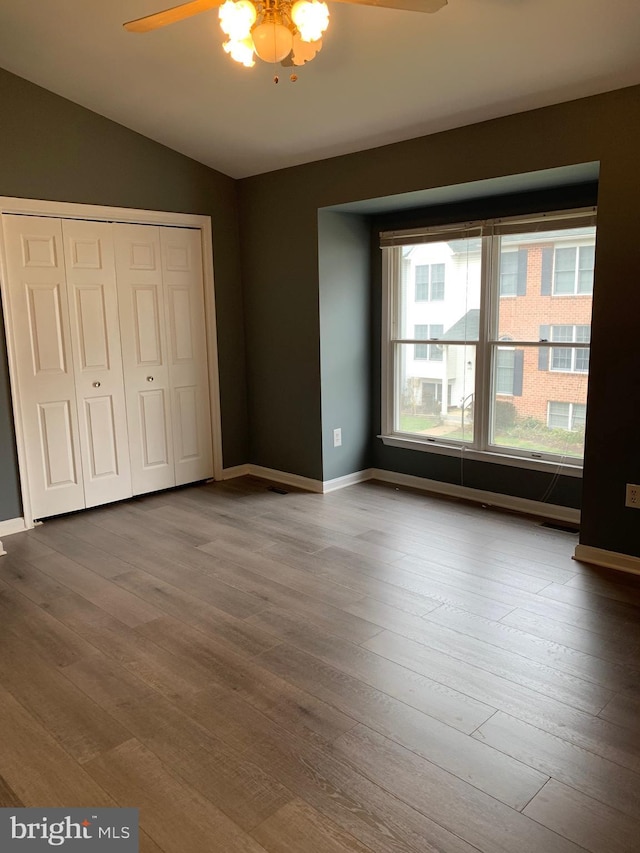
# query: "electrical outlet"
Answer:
x=633 y=496
x=337 y=437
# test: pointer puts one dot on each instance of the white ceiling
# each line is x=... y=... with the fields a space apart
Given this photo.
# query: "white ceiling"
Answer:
x=382 y=76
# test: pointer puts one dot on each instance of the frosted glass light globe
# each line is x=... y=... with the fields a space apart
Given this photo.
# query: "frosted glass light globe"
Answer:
x=272 y=40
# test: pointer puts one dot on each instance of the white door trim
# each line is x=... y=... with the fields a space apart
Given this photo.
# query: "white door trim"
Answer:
x=69 y=210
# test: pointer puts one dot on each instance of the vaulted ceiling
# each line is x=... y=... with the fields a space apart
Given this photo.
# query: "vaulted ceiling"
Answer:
x=382 y=75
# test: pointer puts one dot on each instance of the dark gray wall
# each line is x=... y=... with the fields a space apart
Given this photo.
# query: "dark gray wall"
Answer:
x=53 y=149
x=279 y=231
x=345 y=340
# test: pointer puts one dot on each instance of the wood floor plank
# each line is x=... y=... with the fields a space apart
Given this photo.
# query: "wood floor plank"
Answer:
x=452 y=707
x=614 y=676
x=598 y=645
x=8 y=797
x=35 y=626
x=588 y=822
x=272 y=570
x=274 y=697
x=283 y=832
x=126 y=607
x=82 y=727
x=225 y=777
x=453 y=658
x=592 y=775
x=511 y=782
x=476 y=817
x=31 y=582
x=170 y=600
x=623 y=710
x=172 y=813
x=36 y=768
x=169 y=674
x=98 y=561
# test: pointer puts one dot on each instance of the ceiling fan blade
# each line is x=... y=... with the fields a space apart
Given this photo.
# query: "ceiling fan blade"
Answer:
x=409 y=5
x=171 y=16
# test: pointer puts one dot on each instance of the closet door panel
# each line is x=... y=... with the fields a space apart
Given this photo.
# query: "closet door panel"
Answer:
x=144 y=350
x=95 y=331
x=188 y=365
x=47 y=394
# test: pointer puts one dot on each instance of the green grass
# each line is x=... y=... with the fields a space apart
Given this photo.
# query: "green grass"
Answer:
x=418 y=423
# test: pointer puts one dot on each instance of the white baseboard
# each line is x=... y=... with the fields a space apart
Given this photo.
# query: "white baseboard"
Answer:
x=347 y=480
x=564 y=514
x=553 y=511
x=12 y=525
x=237 y=471
x=607 y=559
x=285 y=478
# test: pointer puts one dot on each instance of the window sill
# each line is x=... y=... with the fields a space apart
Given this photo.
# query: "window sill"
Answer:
x=552 y=466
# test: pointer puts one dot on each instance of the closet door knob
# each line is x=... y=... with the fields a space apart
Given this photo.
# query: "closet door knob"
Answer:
x=97 y=384
x=149 y=378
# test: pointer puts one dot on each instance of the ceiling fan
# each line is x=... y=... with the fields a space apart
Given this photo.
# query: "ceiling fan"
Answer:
x=285 y=31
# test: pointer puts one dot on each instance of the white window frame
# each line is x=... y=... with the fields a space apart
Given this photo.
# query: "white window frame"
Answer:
x=481 y=447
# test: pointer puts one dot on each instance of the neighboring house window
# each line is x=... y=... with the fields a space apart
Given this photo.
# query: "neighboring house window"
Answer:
x=513 y=272
x=569 y=416
x=490 y=345
x=429 y=352
x=565 y=359
x=429 y=283
x=568 y=270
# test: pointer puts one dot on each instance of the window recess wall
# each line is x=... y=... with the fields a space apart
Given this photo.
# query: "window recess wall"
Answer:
x=512 y=331
x=110 y=364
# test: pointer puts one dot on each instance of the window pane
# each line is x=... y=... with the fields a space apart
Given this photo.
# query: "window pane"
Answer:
x=559 y=415
x=581 y=359
x=452 y=300
x=505 y=364
x=579 y=416
x=422 y=282
x=561 y=359
x=552 y=264
x=509 y=273
x=546 y=414
x=585 y=271
x=435 y=396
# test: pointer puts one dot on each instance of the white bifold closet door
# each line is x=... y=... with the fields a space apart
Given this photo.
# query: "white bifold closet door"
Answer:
x=160 y=289
x=64 y=314
x=109 y=334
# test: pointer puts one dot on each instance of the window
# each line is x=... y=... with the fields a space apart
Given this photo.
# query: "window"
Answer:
x=504 y=348
x=569 y=416
x=429 y=282
x=568 y=359
x=573 y=270
x=428 y=352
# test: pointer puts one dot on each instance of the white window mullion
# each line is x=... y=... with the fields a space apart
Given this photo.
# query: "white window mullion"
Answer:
x=482 y=402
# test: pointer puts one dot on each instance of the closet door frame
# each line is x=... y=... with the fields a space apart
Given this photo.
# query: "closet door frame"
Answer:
x=68 y=210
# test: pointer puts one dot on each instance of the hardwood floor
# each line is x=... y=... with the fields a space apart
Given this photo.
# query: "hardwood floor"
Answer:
x=373 y=670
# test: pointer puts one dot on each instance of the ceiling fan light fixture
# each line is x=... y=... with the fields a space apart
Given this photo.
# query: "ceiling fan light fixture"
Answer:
x=311 y=18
